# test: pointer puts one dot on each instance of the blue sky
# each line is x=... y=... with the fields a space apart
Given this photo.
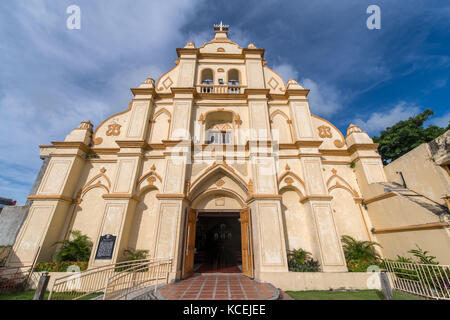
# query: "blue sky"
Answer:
x=52 y=78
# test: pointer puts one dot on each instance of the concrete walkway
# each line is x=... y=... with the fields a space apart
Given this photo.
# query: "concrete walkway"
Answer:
x=218 y=287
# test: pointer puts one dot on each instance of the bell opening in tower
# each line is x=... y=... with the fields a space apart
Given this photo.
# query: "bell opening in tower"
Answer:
x=218 y=243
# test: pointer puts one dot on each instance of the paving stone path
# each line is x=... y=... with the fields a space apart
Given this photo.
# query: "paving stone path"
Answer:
x=218 y=287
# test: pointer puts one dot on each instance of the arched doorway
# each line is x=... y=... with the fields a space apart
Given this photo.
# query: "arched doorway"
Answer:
x=217 y=237
x=218 y=242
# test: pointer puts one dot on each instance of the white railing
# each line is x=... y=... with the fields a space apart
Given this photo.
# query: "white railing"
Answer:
x=143 y=275
x=427 y=280
x=92 y=282
x=220 y=89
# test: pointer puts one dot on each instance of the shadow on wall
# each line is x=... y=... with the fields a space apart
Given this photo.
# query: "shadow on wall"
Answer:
x=4 y=253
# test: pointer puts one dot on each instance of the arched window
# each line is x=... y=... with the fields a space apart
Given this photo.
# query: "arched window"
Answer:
x=219 y=128
x=233 y=77
x=207 y=77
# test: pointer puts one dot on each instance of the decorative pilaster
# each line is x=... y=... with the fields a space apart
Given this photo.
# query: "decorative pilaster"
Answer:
x=368 y=164
x=318 y=202
x=299 y=108
x=269 y=245
x=120 y=204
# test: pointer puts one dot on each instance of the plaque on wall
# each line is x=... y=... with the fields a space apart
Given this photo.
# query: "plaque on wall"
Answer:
x=105 y=247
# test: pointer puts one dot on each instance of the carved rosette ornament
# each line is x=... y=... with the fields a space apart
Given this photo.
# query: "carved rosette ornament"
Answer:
x=220 y=183
x=151 y=180
x=289 y=181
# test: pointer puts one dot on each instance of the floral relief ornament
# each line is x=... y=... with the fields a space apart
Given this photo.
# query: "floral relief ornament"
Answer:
x=113 y=129
x=325 y=132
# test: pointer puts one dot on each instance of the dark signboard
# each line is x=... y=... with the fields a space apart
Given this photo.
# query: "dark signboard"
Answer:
x=105 y=247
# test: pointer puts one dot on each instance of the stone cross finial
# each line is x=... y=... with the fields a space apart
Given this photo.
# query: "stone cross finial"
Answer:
x=221 y=27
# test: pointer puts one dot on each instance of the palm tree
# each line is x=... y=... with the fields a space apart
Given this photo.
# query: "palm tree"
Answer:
x=77 y=249
x=359 y=250
x=299 y=255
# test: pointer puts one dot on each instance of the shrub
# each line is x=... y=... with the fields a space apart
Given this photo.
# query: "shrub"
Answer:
x=77 y=249
x=300 y=260
x=423 y=256
x=135 y=254
x=362 y=265
x=359 y=255
x=59 y=266
x=436 y=279
x=132 y=255
x=359 y=250
x=403 y=259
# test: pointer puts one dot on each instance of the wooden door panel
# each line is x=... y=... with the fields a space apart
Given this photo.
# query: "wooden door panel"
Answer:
x=246 y=244
x=189 y=244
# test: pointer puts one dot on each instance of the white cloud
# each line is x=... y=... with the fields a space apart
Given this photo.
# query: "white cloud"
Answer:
x=53 y=78
x=379 y=121
x=324 y=99
x=240 y=37
x=442 y=121
x=287 y=71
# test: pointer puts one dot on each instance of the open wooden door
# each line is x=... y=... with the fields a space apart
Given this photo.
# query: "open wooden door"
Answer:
x=246 y=243
x=189 y=244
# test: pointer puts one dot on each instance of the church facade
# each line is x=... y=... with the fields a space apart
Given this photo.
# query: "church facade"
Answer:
x=219 y=136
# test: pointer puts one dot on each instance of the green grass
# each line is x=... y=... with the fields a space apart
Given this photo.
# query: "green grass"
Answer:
x=29 y=294
x=348 y=295
x=297 y=295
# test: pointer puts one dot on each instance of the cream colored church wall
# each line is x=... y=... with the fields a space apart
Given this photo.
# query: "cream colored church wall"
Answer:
x=58 y=179
x=347 y=214
x=218 y=181
x=346 y=175
x=160 y=124
x=294 y=166
x=144 y=222
x=168 y=228
x=147 y=167
x=269 y=248
x=259 y=120
x=300 y=230
x=242 y=167
x=437 y=242
x=91 y=170
x=218 y=201
x=282 y=130
x=406 y=213
x=418 y=167
x=112 y=129
x=88 y=215
x=41 y=229
x=397 y=212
